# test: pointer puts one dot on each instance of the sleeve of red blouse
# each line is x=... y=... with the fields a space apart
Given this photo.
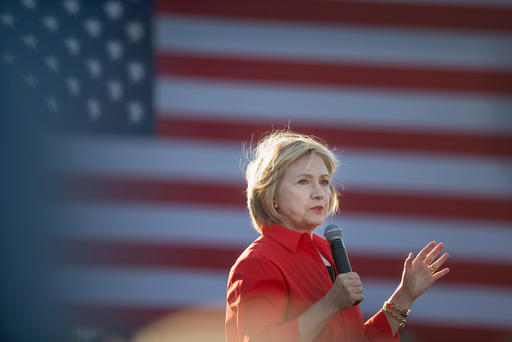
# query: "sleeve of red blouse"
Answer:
x=257 y=297
x=377 y=329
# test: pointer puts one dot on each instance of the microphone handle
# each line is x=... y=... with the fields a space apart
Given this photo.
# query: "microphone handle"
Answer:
x=340 y=257
x=339 y=254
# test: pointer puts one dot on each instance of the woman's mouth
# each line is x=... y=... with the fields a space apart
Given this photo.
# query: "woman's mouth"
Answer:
x=318 y=209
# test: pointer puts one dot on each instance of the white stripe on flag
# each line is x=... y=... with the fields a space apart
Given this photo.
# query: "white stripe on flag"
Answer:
x=228 y=227
x=340 y=43
x=332 y=106
x=471 y=176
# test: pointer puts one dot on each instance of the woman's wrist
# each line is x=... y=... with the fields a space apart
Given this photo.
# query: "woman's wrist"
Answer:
x=313 y=320
x=330 y=304
x=402 y=298
x=397 y=308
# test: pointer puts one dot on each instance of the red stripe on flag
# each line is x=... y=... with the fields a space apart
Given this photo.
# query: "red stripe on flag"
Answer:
x=138 y=254
x=171 y=125
x=185 y=255
x=330 y=74
x=452 y=333
x=352 y=12
x=426 y=205
x=120 y=189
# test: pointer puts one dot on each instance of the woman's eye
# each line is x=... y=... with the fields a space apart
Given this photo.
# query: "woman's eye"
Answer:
x=325 y=182
x=303 y=181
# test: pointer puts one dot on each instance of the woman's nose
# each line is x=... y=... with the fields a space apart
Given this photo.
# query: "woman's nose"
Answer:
x=317 y=191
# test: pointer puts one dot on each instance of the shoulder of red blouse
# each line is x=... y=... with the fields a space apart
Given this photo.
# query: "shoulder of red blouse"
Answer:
x=257 y=294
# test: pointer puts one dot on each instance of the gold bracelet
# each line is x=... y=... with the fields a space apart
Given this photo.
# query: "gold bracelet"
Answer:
x=403 y=311
x=399 y=318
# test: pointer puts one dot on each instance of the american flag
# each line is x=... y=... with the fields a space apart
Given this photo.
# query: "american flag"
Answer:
x=158 y=100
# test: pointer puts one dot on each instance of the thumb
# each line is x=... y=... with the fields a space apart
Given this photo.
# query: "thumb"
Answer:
x=408 y=261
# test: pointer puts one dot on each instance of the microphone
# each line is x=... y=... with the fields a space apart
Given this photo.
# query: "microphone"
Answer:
x=332 y=233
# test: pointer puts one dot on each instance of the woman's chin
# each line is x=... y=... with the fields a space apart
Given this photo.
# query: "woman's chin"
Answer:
x=316 y=223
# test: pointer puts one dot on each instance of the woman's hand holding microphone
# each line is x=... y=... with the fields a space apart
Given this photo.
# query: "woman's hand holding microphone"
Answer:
x=346 y=291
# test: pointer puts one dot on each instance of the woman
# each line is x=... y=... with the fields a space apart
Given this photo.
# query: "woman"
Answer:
x=279 y=289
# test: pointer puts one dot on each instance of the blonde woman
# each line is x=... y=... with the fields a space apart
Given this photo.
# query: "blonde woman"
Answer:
x=280 y=289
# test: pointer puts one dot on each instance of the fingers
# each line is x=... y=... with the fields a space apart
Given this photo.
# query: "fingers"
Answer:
x=434 y=253
x=349 y=279
x=442 y=273
x=430 y=253
x=349 y=289
x=439 y=262
x=425 y=251
x=408 y=262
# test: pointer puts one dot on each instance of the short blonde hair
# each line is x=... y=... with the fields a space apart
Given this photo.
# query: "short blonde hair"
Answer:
x=270 y=159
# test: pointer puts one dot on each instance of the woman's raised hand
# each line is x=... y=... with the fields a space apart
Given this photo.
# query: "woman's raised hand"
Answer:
x=421 y=272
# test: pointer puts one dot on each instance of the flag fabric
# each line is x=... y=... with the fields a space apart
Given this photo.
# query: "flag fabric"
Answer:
x=86 y=66
x=414 y=95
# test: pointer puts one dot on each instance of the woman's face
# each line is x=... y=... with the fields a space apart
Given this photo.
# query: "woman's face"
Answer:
x=303 y=194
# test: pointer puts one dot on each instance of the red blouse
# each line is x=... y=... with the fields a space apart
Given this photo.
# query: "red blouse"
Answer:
x=278 y=277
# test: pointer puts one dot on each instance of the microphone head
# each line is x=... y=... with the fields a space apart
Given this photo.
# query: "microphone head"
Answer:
x=332 y=232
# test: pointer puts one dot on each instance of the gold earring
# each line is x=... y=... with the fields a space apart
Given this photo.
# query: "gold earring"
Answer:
x=276 y=205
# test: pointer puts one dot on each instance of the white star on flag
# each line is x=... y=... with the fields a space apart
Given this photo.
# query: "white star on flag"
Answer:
x=135 y=111
x=7 y=19
x=31 y=80
x=134 y=31
x=94 y=108
x=73 y=85
x=93 y=27
x=94 y=68
x=30 y=41
x=8 y=58
x=73 y=45
x=71 y=6
x=114 y=9
x=52 y=104
x=30 y=4
x=51 y=23
x=52 y=63
x=114 y=49
x=136 y=71
x=115 y=90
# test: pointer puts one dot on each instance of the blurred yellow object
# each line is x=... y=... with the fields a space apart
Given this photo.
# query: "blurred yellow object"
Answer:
x=191 y=325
